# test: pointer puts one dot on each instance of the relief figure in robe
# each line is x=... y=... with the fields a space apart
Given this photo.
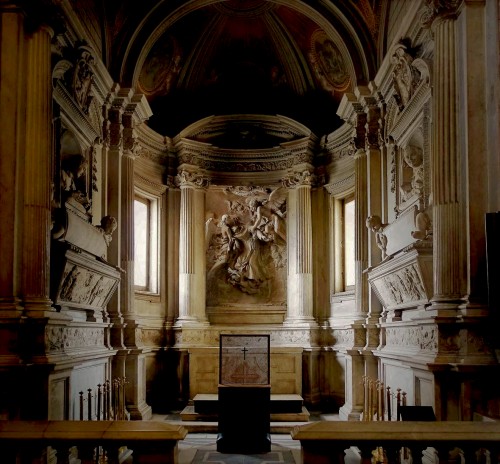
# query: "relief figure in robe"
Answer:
x=245 y=256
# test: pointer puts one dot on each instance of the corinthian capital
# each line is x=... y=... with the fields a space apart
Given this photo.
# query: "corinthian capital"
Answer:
x=191 y=179
x=298 y=179
x=439 y=9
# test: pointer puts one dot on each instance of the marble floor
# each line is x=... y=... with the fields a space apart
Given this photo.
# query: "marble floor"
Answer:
x=199 y=448
x=200 y=444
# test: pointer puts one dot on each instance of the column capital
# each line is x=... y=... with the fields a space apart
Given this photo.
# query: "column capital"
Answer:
x=439 y=10
x=188 y=179
x=42 y=14
x=298 y=179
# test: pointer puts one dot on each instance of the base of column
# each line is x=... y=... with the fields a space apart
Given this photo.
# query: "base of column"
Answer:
x=140 y=412
x=301 y=323
x=347 y=413
x=37 y=307
x=191 y=323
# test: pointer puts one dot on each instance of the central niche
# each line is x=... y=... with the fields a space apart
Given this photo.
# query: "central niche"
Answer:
x=246 y=247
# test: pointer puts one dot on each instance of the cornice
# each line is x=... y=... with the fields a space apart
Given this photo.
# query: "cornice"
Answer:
x=145 y=183
x=411 y=111
x=73 y=115
x=339 y=144
x=339 y=188
x=212 y=159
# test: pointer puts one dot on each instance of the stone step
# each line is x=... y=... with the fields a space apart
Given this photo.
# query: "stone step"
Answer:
x=206 y=404
x=188 y=414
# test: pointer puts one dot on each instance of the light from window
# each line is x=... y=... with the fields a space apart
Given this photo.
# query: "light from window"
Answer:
x=349 y=279
x=141 y=239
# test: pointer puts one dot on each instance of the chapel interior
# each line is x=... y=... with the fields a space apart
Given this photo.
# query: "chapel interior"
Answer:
x=322 y=172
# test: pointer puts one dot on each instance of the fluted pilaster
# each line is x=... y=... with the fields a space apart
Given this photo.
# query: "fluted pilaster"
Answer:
x=448 y=219
x=374 y=203
x=37 y=173
x=192 y=272
x=361 y=239
x=300 y=283
x=112 y=159
x=127 y=215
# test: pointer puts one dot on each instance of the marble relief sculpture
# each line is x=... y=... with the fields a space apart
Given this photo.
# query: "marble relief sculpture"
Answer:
x=83 y=77
x=412 y=160
x=247 y=243
x=73 y=171
x=107 y=227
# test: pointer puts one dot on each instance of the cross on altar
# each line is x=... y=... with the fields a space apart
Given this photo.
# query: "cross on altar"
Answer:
x=250 y=369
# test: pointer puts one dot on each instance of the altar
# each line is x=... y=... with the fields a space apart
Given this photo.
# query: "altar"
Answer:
x=244 y=394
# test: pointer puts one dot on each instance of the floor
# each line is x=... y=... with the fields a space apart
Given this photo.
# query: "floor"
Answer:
x=200 y=444
x=199 y=448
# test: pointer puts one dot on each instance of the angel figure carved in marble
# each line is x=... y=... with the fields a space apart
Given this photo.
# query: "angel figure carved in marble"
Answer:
x=246 y=241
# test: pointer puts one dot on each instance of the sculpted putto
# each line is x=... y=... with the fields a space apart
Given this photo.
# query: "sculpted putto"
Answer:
x=107 y=227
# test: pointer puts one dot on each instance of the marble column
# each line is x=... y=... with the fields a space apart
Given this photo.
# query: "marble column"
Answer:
x=300 y=283
x=37 y=174
x=448 y=220
x=192 y=259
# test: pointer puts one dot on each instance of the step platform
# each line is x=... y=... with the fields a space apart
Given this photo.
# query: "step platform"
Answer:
x=284 y=408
